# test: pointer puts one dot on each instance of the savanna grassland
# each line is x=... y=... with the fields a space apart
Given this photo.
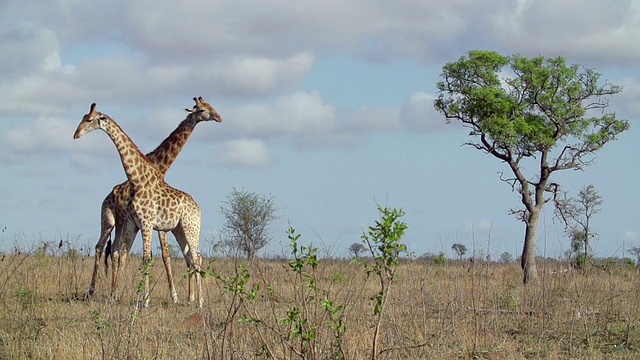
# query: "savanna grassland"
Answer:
x=318 y=310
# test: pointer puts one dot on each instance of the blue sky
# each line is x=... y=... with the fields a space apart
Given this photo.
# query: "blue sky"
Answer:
x=327 y=106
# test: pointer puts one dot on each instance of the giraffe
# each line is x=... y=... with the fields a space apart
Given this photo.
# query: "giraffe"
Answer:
x=114 y=205
x=154 y=205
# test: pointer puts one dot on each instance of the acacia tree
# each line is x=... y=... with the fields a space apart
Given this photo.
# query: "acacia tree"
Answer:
x=506 y=257
x=532 y=114
x=459 y=249
x=356 y=249
x=635 y=250
x=248 y=216
x=576 y=213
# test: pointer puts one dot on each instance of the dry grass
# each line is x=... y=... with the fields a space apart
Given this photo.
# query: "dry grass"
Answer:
x=435 y=312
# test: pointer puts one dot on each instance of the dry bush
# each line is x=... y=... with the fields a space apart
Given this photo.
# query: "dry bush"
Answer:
x=459 y=310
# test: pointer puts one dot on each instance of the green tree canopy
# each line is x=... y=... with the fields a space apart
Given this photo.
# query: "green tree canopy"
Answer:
x=459 y=249
x=535 y=111
x=356 y=249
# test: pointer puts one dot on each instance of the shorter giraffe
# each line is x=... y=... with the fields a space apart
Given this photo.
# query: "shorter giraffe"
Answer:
x=154 y=205
x=114 y=204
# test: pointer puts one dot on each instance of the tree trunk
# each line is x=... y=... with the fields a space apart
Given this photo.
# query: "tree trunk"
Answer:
x=586 y=239
x=528 y=259
x=586 y=248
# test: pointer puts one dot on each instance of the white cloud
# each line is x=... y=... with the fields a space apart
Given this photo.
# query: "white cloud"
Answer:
x=126 y=79
x=376 y=118
x=299 y=113
x=156 y=125
x=25 y=47
x=175 y=29
x=259 y=48
x=53 y=64
x=626 y=103
x=45 y=139
x=579 y=29
x=244 y=153
x=381 y=30
x=205 y=32
x=255 y=75
x=419 y=114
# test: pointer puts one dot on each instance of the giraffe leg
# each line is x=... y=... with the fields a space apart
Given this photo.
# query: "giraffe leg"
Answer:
x=198 y=267
x=188 y=258
x=195 y=248
x=191 y=233
x=184 y=247
x=115 y=266
x=125 y=233
x=193 y=237
x=105 y=234
x=166 y=259
x=108 y=221
x=147 y=232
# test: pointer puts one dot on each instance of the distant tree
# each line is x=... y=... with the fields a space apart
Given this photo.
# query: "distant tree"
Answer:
x=459 y=249
x=428 y=256
x=628 y=262
x=247 y=216
x=506 y=257
x=635 y=250
x=576 y=253
x=356 y=249
x=532 y=114
x=577 y=213
x=440 y=259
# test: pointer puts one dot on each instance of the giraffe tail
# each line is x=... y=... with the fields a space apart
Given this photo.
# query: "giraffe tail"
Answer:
x=107 y=254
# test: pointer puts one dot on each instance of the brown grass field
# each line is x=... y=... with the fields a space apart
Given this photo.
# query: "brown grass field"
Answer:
x=455 y=311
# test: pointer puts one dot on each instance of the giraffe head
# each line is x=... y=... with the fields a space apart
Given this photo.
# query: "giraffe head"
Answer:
x=202 y=111
x=92 y=121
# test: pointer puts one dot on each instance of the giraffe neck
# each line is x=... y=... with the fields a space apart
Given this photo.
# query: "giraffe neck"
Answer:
x=140 y=171
x=167 y=152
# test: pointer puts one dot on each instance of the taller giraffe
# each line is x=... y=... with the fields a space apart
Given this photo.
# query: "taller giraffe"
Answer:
x=154 y=204
x=113 y=210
